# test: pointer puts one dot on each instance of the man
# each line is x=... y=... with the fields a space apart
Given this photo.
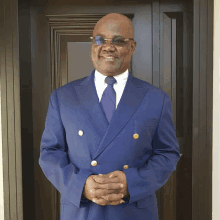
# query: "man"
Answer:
x=109 y=141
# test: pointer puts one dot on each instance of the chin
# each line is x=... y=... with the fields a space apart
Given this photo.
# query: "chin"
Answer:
x=110 y=69
x=109 y=72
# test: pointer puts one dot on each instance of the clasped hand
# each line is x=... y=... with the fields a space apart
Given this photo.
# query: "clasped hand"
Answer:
x=108 y=189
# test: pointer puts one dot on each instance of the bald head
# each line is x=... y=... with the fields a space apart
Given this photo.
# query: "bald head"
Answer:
x=115 y=22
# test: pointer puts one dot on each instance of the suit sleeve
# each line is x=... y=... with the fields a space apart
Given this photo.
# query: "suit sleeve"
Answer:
x=144 y=181
x=54 y=160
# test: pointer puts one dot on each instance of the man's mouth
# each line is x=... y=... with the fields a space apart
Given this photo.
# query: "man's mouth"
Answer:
x=108 y=58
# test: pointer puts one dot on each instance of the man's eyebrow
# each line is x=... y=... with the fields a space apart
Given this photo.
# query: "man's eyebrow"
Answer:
x=102 y=35
x=117 y=36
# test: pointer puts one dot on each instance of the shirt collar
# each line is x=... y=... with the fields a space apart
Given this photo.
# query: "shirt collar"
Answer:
x=121 y=78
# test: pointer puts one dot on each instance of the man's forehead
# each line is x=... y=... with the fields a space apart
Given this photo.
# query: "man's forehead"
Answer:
x=111 y=26
x=107 y=30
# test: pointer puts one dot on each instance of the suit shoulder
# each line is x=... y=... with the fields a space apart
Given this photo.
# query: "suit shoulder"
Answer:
x=151 y=88
x=70 y=84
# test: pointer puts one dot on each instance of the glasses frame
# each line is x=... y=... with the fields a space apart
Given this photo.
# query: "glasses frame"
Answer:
x=110 y=39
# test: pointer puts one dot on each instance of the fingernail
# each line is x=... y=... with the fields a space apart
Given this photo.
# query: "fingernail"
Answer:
x=91 y=190
x=111 y=176
x=122 y=195
x=100 y=174
x=121 y=185
x=94 y=200
x=122 y=201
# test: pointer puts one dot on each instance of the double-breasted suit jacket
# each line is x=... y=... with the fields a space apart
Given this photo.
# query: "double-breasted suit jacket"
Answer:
x=78 y=142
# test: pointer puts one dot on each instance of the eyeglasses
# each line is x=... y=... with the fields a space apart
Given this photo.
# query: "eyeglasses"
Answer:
x=116 y=41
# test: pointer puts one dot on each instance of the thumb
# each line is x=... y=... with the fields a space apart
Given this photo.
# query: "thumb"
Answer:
x=111 y=175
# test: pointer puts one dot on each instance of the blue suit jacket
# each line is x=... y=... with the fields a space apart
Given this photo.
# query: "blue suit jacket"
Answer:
x=66 y=156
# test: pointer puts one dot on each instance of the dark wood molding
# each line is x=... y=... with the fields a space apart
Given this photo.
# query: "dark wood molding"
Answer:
x=10 y=111
x=169 y=24
x=202 y=110
x=26 y=87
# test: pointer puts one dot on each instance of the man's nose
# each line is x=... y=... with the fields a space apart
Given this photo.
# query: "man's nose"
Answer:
x=108 y=46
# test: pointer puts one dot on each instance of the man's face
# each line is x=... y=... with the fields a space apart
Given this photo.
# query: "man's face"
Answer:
x=108 y=59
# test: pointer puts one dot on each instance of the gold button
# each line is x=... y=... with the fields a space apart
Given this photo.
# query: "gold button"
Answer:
x=94 y=163
x=136 y=136
x=80 y=133
x=125 y=167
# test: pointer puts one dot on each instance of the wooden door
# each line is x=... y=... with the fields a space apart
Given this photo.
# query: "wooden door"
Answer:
x=60 y=32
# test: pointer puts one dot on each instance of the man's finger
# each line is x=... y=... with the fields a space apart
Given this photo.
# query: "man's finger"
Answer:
x=104 y=202
x=109 y=186
x=104 y=192
x=105 y=179
x=119 y=202
x=100 y=201
x=113 y=197
x=113 y=174
x=108 y=175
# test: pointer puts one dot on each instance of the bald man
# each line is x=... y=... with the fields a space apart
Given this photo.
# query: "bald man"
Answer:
x=109 y=141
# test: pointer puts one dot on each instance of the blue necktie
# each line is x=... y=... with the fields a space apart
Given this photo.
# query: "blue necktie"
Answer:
x=108 y=100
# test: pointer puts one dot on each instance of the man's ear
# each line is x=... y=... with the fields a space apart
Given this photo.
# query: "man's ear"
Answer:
x=133 y=46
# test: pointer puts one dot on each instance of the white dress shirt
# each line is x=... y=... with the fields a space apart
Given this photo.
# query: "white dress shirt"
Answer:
x=119 y=86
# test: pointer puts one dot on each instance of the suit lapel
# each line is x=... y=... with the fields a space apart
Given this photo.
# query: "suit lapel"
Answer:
x=88 y=97
x=129 y=103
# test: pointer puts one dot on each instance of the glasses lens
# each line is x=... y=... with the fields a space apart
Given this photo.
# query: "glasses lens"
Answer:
x=99 y=40
x=119 y=41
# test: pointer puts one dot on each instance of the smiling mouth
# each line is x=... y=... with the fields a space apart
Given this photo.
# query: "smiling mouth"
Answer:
x=108 y=58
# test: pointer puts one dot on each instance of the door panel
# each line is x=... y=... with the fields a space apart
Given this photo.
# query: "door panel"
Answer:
x=79 y=60
x=162 y=57
x=69 y=57
x=142 y=58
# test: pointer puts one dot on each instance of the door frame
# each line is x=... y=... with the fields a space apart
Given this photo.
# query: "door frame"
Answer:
x=202 y=95
x=17 y=126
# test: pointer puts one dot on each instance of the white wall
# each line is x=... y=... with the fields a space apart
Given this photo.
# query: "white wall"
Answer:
x=216 y=115
x=1 y=170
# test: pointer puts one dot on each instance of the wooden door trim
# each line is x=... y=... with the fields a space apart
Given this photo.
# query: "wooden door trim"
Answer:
x=63 y=61
x=26 y=110
x=202 y=110
x=171 y=81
